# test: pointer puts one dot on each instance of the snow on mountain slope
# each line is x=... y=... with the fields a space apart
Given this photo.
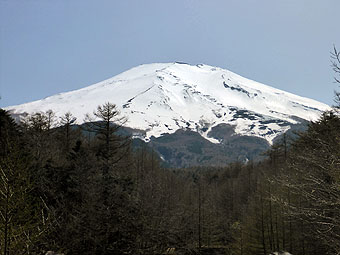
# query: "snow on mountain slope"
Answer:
x=164 y=97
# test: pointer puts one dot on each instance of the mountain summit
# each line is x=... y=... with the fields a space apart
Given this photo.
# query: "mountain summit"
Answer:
x=165 y=97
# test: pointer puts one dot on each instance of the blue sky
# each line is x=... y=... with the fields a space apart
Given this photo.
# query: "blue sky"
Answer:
x=53 y=46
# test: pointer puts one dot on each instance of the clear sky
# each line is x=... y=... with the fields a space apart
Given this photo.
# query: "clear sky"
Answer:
x=53 y=46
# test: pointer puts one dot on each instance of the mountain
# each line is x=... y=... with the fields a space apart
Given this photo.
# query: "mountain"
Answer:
x=175 y=105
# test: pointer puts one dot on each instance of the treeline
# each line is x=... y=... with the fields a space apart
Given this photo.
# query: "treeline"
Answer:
x=87 y=190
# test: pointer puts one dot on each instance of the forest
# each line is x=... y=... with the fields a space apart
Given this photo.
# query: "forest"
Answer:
x=91 y=190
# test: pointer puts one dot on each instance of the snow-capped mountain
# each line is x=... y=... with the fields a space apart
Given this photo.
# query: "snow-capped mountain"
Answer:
x=164 y=97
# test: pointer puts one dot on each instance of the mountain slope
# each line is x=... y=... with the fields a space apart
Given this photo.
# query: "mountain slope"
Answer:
x=165 y=97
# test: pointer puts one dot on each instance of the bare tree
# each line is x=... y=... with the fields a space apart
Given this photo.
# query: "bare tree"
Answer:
x=105 y=125
x=335 y=60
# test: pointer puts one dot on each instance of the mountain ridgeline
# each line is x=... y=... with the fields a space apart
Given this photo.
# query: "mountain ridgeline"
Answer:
x=190 y=115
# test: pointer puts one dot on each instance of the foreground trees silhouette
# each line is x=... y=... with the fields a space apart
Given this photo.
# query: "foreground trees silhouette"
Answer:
x=87 y=190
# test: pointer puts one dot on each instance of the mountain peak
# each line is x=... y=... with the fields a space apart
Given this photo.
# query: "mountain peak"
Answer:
x=164 y=97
